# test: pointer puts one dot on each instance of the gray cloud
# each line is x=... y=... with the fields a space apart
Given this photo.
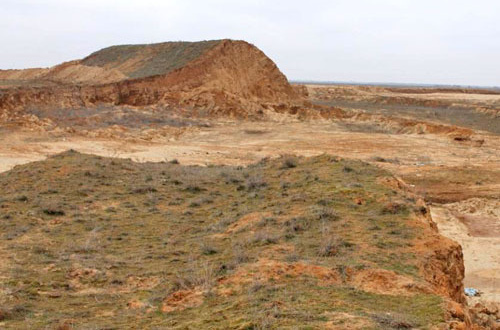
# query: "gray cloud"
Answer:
x=422 y=41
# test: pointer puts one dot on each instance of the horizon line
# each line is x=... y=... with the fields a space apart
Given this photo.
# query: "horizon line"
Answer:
x=388 y=84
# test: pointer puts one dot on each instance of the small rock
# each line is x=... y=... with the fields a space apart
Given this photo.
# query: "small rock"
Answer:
x=66 y=325
x=359 y=201
x=54 y=295
x=457 y=325
x=456 y=310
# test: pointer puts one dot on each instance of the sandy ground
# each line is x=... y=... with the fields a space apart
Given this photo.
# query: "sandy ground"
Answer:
x=243 y=143
x=465 y=97
x=246 y=142
x=481 y=250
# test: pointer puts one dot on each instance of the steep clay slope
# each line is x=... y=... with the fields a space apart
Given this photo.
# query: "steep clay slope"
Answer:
x=228 y=77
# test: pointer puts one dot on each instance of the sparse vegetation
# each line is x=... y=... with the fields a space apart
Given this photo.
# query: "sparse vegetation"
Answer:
x=207 y=249
x=255 y=131
x=329 y=246
x=325 y=213
x=394 y=208
x=264 y=238
x=386 y=160
x=292 y=242
x=157 y=59
x=289 y=162
x=53 y=211
x=194 y=233
x=256 y=182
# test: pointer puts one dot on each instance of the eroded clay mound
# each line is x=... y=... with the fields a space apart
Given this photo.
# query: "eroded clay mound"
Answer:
x=224 y=77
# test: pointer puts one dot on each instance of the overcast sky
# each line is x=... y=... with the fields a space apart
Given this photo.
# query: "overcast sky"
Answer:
x=409 y=41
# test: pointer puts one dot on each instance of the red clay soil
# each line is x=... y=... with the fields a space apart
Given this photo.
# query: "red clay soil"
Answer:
x=232 y=78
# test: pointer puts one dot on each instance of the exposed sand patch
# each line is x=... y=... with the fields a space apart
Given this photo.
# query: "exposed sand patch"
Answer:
x=481 y=252
x=246 y=221
x=265 y=270
x=387 y=282
x=229 y=143
x=182 y=299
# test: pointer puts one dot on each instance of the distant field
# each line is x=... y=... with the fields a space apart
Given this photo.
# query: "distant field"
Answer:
x=408 y=88
x=470 y=108
x=455 y=116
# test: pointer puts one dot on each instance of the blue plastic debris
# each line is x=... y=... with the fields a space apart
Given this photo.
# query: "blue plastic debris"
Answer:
x=471 y=292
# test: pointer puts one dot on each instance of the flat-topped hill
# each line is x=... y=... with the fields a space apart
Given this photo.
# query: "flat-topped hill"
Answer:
x=139 y=61
x=221 y=76
x=113 y=64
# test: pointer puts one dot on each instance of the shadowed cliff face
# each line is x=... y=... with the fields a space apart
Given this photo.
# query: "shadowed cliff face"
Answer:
x=224 y=77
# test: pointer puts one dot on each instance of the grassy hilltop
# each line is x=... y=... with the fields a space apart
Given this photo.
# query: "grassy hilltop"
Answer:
x=318 y=242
